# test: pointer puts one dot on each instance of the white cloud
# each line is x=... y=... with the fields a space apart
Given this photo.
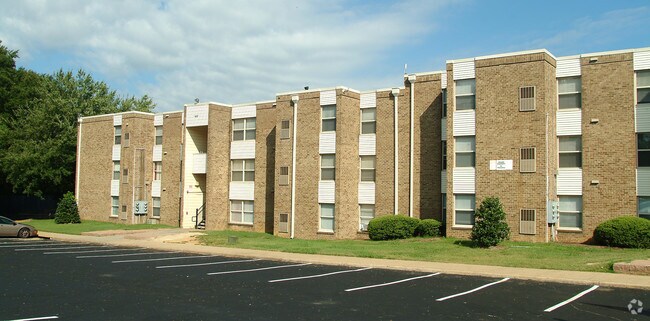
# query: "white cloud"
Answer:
x=228 y=51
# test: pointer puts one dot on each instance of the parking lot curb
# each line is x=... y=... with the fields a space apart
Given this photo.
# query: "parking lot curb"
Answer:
x=543 y=275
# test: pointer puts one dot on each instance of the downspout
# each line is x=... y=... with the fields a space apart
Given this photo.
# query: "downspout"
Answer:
x=181 y=182
x=546 y=161
x=411 y=80
x=294 y=100
x=76 y=191
x=395 y=93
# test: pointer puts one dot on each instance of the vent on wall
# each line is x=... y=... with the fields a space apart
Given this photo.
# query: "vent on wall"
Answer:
x=527 y=98
x=527 y=221
x=284 y=223
x=284 y=130
x=527 y=160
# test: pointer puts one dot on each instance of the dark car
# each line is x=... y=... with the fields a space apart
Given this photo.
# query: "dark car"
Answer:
x=10 y=228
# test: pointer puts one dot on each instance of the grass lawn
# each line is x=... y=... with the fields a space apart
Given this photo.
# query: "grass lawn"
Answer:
x=555 y=256
x=87 y=226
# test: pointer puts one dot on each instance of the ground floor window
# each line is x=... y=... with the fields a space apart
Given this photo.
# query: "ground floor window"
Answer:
x=115 y=206
x=643 y=207
x=366 y=213
x=326 y=218
x=241 y=212
x=156 y=206
x=465 y=204
x=570 y=211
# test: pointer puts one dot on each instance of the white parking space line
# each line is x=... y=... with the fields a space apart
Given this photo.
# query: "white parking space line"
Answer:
x=318 y=275
x=62 y=248
x=118 y=255
x=473 y=290
x=391 y=283
x=260 y=269
x=39 y=318
x=165 y=258
x=577 y=296
x=31 y=245
x=92 y=251
x=203 y=264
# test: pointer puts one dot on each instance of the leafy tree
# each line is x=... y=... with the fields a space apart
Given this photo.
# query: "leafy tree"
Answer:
x=38 y=125
x=490 y=227
x=67 y=210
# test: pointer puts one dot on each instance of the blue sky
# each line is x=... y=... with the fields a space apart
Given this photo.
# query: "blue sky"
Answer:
x=245 y=51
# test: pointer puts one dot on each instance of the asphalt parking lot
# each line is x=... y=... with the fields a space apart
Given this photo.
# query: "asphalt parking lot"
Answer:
x=52 y=280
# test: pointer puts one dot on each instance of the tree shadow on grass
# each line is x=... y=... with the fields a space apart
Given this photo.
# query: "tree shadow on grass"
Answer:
x=466 y=243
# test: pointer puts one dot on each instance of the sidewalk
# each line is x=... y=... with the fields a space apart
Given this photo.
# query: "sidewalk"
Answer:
x=170 y=240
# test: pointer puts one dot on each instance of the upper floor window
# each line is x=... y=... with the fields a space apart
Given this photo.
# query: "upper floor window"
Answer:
x=444 y=154
x=465 y=151
x=116 y=170
x=643 y=149
x=327 y=167
x=243 y=170
x=159 y=135
x=243 y=129
x=569 y=92
x=118 y=135
x=465 y=94
x=285 y=126
x=570 y=151
x=643 y=87
x=328 y=118
x=444 y=103
x=157 y=171
x=367 y=168
x=368 y=120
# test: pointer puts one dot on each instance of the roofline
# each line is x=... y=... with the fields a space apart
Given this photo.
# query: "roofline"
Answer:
x=502 y=55
x=120 y=113
x=317 y=90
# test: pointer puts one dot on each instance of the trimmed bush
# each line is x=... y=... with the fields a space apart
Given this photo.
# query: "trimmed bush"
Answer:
x=392 y=227
x=490 y=226
x=625 y=231
x=428 y=228
x=67 y=211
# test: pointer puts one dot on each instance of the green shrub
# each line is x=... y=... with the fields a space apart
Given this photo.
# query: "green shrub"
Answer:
x=67 y=211
x=391 y=227
x=490 y=226
x=625 y=231
x=428 y=228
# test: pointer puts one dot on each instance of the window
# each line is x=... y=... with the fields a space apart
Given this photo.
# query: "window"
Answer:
x=118 y=135
x=327 y=167
x=127 y=139
x=326 y=218
x=156 y=206
x=444 y=103
x=115 y=205
x=570 y=151
x=643 y=87
x=527 y=98
x=367 y=168
x=116 y=170
x=368 y=120
x=570 y=212
x=125 y=175
x=465 y=151
x=444 y=154
x=643 y=207
x=569 y=92
x=159 y=135
x=366 y=213
x=527 y=221
x=157 y=171
x=283 y=226
x=465 y=205
x=243 y=170
x=643 y=149
x=284 y=176
x=243 y=129
x=444 y=208
x=241 y=212
x=466 y=94
x=284 y=129
x=527 y=160
x=328 y=114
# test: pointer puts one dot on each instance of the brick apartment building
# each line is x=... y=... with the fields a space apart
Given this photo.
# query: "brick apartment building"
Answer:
x=539 y=132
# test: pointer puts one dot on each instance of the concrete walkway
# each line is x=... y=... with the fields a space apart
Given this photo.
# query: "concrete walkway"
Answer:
x=179 y=240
